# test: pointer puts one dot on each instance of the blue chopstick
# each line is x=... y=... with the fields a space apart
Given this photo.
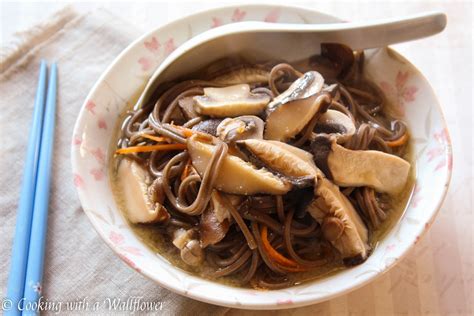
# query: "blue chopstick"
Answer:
x=16 y=280
x=34 y=272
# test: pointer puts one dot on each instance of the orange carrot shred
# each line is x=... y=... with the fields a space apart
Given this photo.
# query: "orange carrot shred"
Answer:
x=275 y=255
x=398 y=142
x=187 y=132
x=157 y=138
x=142 y=149
x=186 y=170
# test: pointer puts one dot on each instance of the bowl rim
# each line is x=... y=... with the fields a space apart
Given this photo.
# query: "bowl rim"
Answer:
x=223 y=301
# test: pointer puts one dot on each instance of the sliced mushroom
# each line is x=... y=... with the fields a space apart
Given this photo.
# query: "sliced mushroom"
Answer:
x=340 y=223
x=187 y=106
x=208 y=126
x=353 y=168
x=230 y=101
x=289 y=112
x=181 y=237
x=235 y=175
x=142 y=205
x=335 y=60
x=279 y=157
x=336 y=123
x=221 y=211
x=190 y=249
x=192 y=253
x=241 y=127
x=245 y=74
x=214 y=222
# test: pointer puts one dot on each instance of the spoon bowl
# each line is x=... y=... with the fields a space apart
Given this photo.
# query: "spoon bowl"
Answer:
x=261 y=41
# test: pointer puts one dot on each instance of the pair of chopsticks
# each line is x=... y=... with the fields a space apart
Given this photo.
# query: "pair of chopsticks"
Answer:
x=26 y=271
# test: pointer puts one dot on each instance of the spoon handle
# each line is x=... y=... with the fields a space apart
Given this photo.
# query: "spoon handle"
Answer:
x=378 y=33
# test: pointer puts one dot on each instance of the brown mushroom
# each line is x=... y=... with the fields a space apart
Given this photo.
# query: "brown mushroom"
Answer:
x=244 y=74
x=208 y=126
x=187 y=107
x=192 y=253
x=283 y=158
x=292 y=110
x=335 y=60
x=190 y=248
x=337 y=124
x=340 y=222
x=239 y=128
x=235 y=175
x=352 y=168
x=214 y=222
x=230 y=101
x=143 y=205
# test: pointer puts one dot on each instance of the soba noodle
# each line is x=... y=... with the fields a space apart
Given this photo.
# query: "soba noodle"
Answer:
x=258 y=219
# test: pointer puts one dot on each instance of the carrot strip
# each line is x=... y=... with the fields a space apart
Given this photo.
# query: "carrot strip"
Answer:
x=141 y=149
x=187 y=132
x=186 y=170
x=398 y=142
x=157 y=138
x=273 y=254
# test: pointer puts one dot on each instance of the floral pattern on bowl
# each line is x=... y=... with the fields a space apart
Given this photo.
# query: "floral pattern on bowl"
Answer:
x=406 y=88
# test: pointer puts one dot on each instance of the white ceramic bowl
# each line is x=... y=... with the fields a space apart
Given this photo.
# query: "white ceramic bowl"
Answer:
x=413 y=99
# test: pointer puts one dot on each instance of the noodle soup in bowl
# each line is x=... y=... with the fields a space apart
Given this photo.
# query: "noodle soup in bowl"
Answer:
x=409 y=98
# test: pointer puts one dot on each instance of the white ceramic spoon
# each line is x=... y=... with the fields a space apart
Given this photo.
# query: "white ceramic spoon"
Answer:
x=259 y=41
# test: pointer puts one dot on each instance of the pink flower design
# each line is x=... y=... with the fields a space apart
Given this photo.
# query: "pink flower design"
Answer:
x=272 y=16
x=101 y=123
x=153 y=45
x=442 y=136
x=391 y=247
x=216 y=22
x=401 y=91
x=90 y=106
x=416 y=198
x=146 y=63
x=284 y=302
x=97 y=173
x=116 y=238
x=437 y=153
x=238 y=15
x=76 y=140
x=78 y=181
x=99 y=155
x=129 y=261
x=169 y=46
x=119 y=241
x=132 y=250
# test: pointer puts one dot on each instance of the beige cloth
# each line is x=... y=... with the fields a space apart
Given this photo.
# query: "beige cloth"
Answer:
x=78 y=263
x=436 y=277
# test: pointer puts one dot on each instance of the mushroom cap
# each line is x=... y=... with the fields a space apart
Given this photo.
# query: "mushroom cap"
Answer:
x=336 y=123
x=353 y=168
x=292 y=110
x=241 y=127
x=181 y=236
x=208 y=126
x=286 y=159
x=230 y=101
x=192 y=253
x=187 y=107
x=212 y=227
x=235 y=175
x=329 y=202
x=141 y=205
x=245 y=74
